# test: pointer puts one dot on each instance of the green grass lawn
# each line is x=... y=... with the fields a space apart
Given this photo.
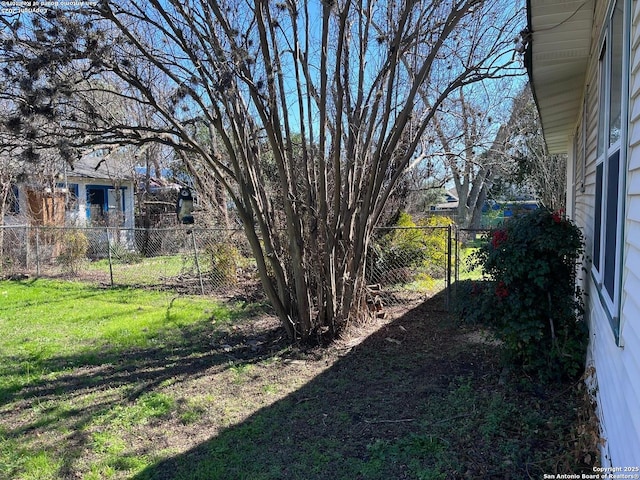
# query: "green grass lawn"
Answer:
x=134 y=384
x=50 y=330
x=42 y=319
x=145 y=271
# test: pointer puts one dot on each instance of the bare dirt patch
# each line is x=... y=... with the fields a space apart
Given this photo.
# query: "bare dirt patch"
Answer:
x=412 y=396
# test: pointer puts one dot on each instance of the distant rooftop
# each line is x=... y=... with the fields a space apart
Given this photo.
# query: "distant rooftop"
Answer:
x=107 y=167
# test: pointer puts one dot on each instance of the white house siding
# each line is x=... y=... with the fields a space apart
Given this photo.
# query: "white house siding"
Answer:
x=630 y=317
x=585 y=194
x=618 y=368
x=617 y=388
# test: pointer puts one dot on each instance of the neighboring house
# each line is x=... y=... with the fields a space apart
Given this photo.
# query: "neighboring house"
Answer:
x=104 y=189
x=450 y=204
x=97 y=190
x=584 y=64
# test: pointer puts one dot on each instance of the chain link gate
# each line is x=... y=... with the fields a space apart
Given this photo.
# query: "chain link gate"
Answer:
x=410 y=264
x=466 y=241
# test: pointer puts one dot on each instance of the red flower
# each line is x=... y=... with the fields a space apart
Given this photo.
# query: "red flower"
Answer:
x=499 y=237
x=557 y=215
x=501 y=290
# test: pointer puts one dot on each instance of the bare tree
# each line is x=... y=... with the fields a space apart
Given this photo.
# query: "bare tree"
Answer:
x=344 y=76
x=534 y=168
x=472 y=130
x=10 y=170
x=12 y=165
x=21 y=161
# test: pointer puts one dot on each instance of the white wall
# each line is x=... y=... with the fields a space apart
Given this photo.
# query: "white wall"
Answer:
x=617 y=368
x=618 y=387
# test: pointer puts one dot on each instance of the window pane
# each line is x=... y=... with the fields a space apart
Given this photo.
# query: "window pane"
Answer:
x=602 y=102
x=615 y=103
x=611 y=223
x=597 y=227
x=114 y=201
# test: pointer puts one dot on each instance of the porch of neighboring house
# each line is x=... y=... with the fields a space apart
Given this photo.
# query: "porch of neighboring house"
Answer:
x=46 y=208
x=104 y=205
x=75 y=203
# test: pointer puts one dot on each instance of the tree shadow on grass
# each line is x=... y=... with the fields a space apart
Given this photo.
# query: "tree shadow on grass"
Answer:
x=198 y=349
x=421 y=398
x=68 y=393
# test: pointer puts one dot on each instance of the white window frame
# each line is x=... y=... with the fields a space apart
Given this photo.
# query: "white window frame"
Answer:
x=611 y=300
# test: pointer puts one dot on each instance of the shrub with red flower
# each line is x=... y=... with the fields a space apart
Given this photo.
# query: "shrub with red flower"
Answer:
x=498 y=238
x=533 y=306
x=501 y=290
x=558 y=215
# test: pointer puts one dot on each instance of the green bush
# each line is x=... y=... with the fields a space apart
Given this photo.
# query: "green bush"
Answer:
x=471 y=304
x=225 y=260
x=436 y=242
x=74 y=251
x=531 y=298
x=401 y=247
x=121 y=254
x=410 y=251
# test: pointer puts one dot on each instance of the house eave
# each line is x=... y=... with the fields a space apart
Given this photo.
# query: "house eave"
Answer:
x=91 y=168
x=557 y=59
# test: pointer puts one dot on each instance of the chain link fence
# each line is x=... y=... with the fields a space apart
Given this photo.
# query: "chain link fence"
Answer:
x=466 y=242
x=407 y=264
x=404 y=264
x=200 y=261
x=466 y=271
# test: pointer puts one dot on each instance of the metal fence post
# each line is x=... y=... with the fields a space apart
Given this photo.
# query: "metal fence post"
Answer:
x=449 y=259
x=195 y=255
x=37 y=249
x=27 y=241
x=457 y=266
x=109 y=255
